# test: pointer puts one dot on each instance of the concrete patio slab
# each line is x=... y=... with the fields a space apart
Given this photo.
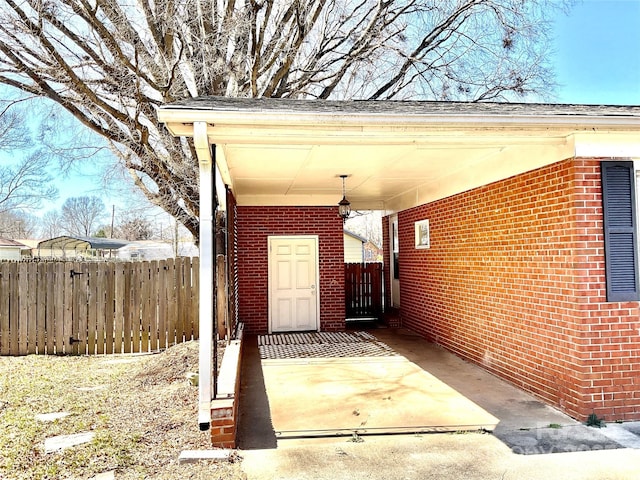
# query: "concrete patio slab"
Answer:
x=389 y=381
x=531 y=441
x=364 y=395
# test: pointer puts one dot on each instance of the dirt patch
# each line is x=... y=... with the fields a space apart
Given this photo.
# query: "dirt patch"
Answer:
x=142 y=420
x=171 y=365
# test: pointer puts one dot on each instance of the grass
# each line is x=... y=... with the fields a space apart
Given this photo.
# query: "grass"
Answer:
x=594 y=421
x=143 y=414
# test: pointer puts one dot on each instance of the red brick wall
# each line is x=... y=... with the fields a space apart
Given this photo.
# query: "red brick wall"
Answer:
x=514 y=281
x=255 y=224
x=610 y=332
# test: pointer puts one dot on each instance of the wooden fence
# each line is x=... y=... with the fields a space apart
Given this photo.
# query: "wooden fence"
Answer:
x=363 y=290
x=97 y=307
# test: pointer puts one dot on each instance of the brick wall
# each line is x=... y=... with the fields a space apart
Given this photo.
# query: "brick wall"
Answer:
x=255 y=224
x=609 y=331
x=514 y=281
x=225 y=407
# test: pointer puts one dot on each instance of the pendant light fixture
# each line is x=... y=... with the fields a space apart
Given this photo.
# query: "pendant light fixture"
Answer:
x=344 y=206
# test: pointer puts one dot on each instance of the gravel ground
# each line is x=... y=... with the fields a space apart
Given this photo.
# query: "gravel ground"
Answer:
x=141 y=408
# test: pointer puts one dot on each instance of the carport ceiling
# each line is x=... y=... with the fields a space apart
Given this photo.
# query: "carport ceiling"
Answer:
x=397 y=154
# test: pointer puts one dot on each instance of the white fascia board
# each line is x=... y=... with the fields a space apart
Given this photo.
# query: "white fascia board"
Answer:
x=248 y=117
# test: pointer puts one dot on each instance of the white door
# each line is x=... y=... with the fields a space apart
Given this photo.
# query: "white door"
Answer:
x=293 y=284
x=394 y=251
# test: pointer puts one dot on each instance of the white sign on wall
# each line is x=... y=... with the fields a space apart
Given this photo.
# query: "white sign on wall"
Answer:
x=422 y=234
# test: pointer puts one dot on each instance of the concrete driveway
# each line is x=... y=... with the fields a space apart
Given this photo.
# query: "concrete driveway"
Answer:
x=313 y=405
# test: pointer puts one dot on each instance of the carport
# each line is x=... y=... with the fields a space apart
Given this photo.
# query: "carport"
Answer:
x=280 y=161
x=65 y=246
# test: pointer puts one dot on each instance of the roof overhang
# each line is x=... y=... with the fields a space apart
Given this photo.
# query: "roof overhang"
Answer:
x=397 y=154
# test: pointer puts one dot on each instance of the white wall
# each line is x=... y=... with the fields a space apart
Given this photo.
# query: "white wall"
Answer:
x=9 y=253
x=352 y=250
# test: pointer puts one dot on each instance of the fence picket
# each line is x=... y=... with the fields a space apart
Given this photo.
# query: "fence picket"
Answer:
x=120 y=302
x=178 y=295
x=23 y=305
x=171 y=301
x=186 y=298
x=163 y=323
x=92 y=304
x=153 y=306
x=5 y=297
x=47 y=294
x=145 y=320
x=195 y=296
x=59 y=279
x=101 y=311
x=32 y=306
x=13 y=310
x=41 y=302
x=126 y=312
x=109 y=314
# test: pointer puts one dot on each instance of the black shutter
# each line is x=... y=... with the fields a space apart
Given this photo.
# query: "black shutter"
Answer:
x=620 y=234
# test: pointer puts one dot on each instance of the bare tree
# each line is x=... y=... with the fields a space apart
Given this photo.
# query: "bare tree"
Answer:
x=80 y=215
x=136 y=228
x=51 y=224
x=14 y=133
x=24 y=180
x=367 y=224
x=111 y=63
x=25 y=183
x=17 y=225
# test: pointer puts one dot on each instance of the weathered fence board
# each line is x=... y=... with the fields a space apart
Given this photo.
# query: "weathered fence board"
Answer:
x=97 y=308
x=41 y=308
x=4 y=307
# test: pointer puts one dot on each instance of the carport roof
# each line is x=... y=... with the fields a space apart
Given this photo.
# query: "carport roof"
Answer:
x=398 y=154
x=82 y=243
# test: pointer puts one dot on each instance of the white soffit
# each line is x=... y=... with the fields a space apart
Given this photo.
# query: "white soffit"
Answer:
x=393 y=162
x=389 y=172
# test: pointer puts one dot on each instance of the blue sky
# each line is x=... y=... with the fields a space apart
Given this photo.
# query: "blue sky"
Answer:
x=597 y=61
x=597 y=58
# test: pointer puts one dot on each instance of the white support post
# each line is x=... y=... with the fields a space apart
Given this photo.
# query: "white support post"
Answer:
x=205 y=368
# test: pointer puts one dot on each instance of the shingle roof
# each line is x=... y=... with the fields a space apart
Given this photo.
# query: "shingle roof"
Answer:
x=6 y=242
x=387 y=107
